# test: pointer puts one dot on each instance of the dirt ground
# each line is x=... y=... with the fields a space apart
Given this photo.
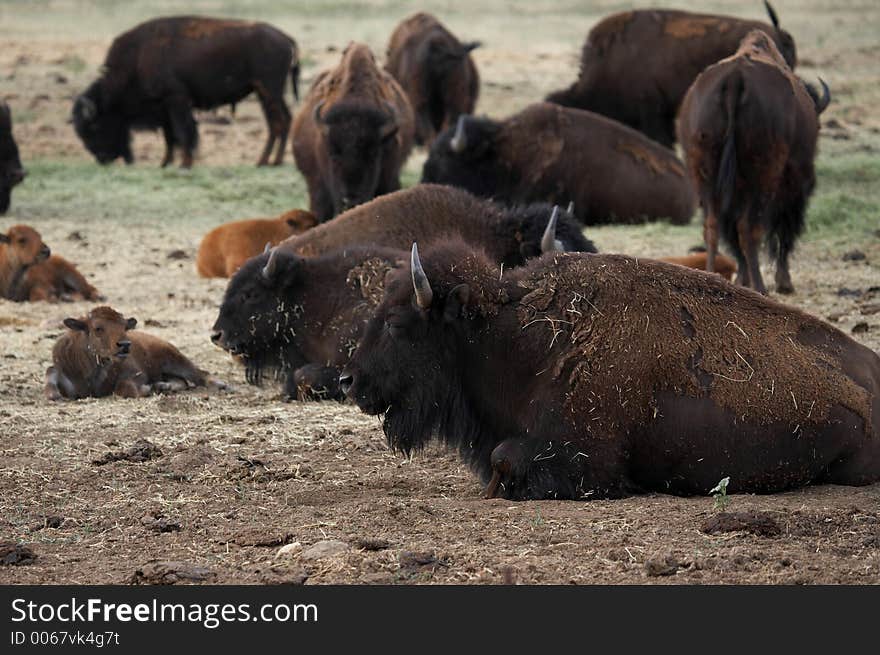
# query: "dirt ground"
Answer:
x=240 y=487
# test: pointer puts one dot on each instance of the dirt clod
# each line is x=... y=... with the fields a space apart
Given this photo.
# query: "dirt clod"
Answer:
x=371 y=544
x=12 y=554
x=760 y=523
x=411 y=560
x=170 y=572
x=322 y=549
x=662 y=564
x=141 y=451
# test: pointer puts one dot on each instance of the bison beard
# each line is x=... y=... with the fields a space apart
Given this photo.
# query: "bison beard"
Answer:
x=575 y=377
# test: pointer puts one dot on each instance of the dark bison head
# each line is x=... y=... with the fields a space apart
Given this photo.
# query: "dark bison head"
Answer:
x=465 y=156
x=105 y=133
x=409 y=363
x=444 y=54
x=11 y=171
x=255 y=319
x=356 y=138
x=786 y=43
x=540 y=228
x=104 y=329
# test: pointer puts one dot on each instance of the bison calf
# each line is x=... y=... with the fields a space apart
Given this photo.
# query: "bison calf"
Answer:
x=748 y=127
x=11 y=170
x=548 y=153
x=584 y=376
x=437 y=72
x=101 y=354
x=224 y=249
x=53 y=280
x=20 y=248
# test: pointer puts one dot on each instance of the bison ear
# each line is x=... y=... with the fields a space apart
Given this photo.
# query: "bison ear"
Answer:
x=455 y=302
x=76 y=324
x=131 y=323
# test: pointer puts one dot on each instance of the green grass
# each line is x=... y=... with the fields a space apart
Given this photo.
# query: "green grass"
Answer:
x=846 y=203
x=205 y=194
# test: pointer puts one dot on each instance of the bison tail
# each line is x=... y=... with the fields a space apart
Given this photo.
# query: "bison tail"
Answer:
x=725 y=184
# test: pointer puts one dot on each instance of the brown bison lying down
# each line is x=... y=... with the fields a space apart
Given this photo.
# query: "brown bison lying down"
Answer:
x=302 y=318
x=724 y=266
x=29 y=272
x=548 y=153
x=101 y=354
x=582 y=376
x=225 y=248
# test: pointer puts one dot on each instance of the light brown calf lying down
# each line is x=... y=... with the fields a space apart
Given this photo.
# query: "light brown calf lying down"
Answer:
x=225 y=248
x=724 y=266
x=101 y=354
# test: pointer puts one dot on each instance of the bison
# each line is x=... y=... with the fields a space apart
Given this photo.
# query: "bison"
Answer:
x=429 y=212
x=225 y=248
x=102 y=354
x=156 y=73
x=437 y=72
x=301 y=318
x=724 y=266
x=555 y=154
x=11 y=170
x=20 y=248
x=53 y=280
x=636 y=66
x=597 y=376
x=748 y=127
x=352 y=134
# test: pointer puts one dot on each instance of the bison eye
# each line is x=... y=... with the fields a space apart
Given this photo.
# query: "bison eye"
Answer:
x=22 y=241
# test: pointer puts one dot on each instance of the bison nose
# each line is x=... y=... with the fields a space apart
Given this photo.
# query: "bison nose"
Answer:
x=45 y=252
x=124 y=346
x=345 y=381
x=18 y=176
x=217 y=336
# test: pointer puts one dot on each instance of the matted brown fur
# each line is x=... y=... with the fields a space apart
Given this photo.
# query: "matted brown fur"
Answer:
x=640 y=327
x=53 y=280
x=568 y=149
x=225 y=248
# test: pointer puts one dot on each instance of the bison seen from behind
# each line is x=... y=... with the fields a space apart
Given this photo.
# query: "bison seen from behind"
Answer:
x=749 y=127
x=580 y=376
x=101 y=354
x=437 y=72
x=636 y=66
x=11 y=170
x=548 y=153
x=352 y=134
x=159 y=71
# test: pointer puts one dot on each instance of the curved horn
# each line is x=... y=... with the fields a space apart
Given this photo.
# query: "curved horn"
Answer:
x=570 y=208
x=548 y=241
x=271 y=265
x=772 y=13
x=822 y=103
x=458 y=143
x=424 y=294
x=268 y=247
x=316 y=112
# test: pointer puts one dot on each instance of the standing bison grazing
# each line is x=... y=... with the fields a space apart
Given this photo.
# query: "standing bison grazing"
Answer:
x=430 y=212
x=636 y=66
x=352 y=134
x=585 y=376
x=437 y=72
x=11 y=171
x=555 y=154
x=158 y=72
x=101 y=354
x=748 y=127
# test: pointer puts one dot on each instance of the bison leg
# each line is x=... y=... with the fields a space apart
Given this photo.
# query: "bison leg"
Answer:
x=52 y=390
x=129 y=388
x=169 y=145
x=277 y=120
x=749 y=242
x=183 y=127
x=710 y=236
